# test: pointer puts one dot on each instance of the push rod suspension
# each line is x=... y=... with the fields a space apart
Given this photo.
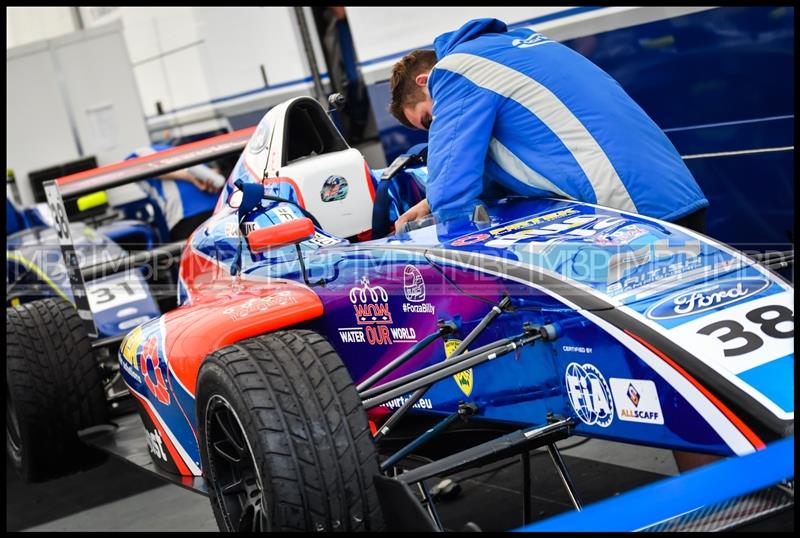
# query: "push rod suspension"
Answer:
x=473 y=334
x=443 y=370
x=445 y=328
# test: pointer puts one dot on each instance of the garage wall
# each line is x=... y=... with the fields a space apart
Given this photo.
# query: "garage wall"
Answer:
x=25 y=25
x=71 y=97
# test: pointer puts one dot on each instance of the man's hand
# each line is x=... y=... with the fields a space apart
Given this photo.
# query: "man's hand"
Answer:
x=416 y=212
x=203 y=181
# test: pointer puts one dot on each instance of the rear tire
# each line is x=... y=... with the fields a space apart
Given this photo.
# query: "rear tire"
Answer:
x=53 y=389
x=284 y=439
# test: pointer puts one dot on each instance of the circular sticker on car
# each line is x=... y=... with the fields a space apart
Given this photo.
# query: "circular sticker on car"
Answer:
x=334 y=188
x=589 y=394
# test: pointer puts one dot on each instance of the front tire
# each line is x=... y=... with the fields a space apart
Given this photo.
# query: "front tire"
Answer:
x=53 y=389
x=284 y=440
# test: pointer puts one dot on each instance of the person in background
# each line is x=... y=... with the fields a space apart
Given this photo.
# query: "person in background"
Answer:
x=345 y=78
x=185 y=197
x=515 y=112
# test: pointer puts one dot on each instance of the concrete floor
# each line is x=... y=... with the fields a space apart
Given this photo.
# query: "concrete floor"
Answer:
x=117 y=496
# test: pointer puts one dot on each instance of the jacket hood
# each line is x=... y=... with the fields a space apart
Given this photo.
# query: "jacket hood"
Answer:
x=445 y=43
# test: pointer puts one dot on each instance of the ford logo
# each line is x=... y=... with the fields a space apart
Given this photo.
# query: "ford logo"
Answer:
x=706 y=297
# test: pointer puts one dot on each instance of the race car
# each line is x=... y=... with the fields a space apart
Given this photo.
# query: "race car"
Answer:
x=300 y=344
x=109 y=246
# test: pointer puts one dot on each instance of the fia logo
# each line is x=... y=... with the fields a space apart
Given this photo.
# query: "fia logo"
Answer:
x=413 y=284
x=589 y=394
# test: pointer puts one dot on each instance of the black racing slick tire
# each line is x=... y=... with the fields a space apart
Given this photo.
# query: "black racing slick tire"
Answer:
x=284 y=439
x=53 y=390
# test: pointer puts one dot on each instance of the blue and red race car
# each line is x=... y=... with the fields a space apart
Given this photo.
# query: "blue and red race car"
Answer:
x=300 y=343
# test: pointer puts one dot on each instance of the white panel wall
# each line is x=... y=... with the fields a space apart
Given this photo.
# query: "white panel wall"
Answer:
x=26 y=25
x=86 y=73
x=102 y=92
x=37 y=126
x=239 y=40
x=378 y=31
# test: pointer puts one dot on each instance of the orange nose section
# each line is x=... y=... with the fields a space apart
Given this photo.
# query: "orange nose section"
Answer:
x=286 y=233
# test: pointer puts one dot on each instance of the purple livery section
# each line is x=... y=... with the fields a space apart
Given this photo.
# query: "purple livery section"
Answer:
x=666 y=337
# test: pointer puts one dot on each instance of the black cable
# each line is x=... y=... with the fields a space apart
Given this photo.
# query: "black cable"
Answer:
x=450 y=280
x=303 y=210
x=500 y=467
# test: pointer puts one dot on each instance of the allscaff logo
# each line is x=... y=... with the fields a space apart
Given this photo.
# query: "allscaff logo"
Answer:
x=706 y=297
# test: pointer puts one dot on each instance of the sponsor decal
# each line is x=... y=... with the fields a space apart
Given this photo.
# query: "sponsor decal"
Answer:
x=133 y=322
x=414 y=290
x=259 y=304
x=109 y=294
x=623 y=236
x=156 y=445
x=589 y=394
x=283 y=213
x=371 y=307
x=321 y=240
x=463 y=379
x=633 y=394
x=130 y=371
x=352 y=335
x=571 y=223
x=530 y=41
x=577 y=349
x=666 y=272
x=371 y=304
x=469 y=240
x=130 y=345
x=706 y=297
x=377 y=335
x=744 y=336
x=726 y=264
x=150 y=359
x=424 y=308
x=403 y=334
x=260 y=138
x=422 y=403
x=413 y=284
x=232 y=229
x=636 y=400
x=335 y=188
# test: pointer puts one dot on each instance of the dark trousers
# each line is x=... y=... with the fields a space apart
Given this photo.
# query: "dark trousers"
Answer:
x=694 y=221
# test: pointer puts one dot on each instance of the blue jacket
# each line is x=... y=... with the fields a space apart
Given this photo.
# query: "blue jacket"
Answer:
x=177 y=200
x=532 y=115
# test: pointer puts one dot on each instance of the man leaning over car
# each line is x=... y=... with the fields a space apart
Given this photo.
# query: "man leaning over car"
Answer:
x=515 y=112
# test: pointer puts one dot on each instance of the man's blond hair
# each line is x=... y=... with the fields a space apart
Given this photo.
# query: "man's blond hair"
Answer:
x=402 y=83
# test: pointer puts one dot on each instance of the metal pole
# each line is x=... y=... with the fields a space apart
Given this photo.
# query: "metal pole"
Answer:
x=526 y=488
x=309 y=50
x=77 y=19
x=419 y=441
x=561 y=467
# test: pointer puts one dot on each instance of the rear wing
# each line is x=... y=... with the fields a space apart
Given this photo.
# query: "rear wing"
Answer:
x=115 y=175
x=156 y=164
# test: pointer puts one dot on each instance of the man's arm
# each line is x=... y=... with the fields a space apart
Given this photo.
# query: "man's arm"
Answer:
x=416 y=212
x=203 y=177
x=463 y=121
